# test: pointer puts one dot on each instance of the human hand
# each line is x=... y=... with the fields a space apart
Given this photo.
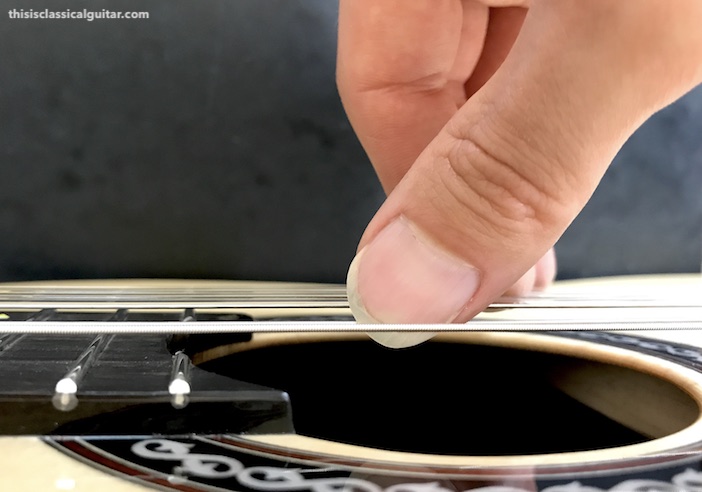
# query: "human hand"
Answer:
x=490 y=127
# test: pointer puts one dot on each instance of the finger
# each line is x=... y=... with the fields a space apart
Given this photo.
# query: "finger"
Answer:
x=537 y=277
x=524 y=285
x=397 y=73
x=400 y=339
x=546 y=269
x=504 y=178
x=503 y=27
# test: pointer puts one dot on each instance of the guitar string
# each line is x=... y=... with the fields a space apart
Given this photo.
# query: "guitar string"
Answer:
x=54 y=305
x=332 y=296
x=213 y=327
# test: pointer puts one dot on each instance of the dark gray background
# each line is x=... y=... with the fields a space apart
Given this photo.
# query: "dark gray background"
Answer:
x=209 y=141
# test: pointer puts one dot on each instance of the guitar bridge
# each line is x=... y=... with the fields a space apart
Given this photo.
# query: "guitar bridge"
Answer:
x=124 y=385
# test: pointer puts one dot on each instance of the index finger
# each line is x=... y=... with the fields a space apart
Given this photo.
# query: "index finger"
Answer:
x=395 y=68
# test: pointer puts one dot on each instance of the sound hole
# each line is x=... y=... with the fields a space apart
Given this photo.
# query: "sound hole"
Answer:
x=450 y=399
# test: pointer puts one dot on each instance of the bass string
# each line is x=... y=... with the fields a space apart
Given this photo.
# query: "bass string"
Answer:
x=175 y=328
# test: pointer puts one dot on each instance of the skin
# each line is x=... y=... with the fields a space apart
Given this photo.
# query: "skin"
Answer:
x=490 y=123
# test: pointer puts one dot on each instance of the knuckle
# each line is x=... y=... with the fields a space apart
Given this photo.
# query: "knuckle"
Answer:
x=512 y=195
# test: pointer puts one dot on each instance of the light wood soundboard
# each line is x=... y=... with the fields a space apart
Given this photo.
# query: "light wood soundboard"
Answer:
x=136 y=385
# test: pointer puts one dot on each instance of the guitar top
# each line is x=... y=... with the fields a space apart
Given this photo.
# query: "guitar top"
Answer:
x=184 y=385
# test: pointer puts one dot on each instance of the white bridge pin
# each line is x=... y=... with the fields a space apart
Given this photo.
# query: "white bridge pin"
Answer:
x=66 y=390
x=179 y=386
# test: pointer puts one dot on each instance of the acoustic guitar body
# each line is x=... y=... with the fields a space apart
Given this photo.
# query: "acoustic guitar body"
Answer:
x=263 y=387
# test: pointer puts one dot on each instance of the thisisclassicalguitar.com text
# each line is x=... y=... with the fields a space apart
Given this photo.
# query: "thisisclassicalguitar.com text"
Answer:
x=70 y=14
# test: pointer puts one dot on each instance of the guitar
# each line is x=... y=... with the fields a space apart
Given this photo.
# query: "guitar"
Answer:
x=214 y=385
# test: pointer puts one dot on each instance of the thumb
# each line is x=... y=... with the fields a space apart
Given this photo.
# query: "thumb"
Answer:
x=504 y=178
